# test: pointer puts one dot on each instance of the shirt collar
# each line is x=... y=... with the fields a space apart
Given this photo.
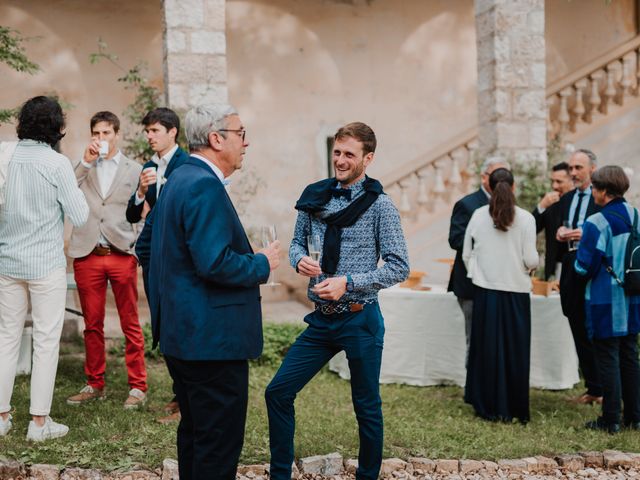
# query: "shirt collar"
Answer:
x=115 y=158
x=166 y=158
x=485 y=191
x=586 y=190
x=214 y=168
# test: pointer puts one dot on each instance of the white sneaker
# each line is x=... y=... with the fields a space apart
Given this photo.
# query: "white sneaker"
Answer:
x=5 y=425
x=136 y=398
x=49 y=430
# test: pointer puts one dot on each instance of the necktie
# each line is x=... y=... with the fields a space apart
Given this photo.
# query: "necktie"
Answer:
x=341 y=192
x=576 y=214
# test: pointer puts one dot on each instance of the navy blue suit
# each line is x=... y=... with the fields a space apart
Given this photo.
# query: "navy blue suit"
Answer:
x=134 y=212
x=205 y=311
x=459 y=284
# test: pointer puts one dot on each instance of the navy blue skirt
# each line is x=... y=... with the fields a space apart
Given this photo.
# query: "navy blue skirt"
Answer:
x=497 y=383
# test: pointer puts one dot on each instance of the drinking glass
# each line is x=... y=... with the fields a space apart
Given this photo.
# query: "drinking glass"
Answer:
x=572 y=244
x=315 y=248
x=268 y=235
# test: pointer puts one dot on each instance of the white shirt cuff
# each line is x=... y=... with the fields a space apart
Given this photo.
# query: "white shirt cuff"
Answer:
x=138 y=200
x=540 y=209
x=85 y=164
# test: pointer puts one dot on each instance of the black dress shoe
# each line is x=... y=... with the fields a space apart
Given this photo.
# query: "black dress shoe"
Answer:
x=600 y=424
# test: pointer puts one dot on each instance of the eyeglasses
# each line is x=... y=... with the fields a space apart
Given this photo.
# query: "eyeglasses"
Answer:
x=242 y=132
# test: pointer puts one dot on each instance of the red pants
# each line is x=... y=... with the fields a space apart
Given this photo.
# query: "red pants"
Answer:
x=92 y=273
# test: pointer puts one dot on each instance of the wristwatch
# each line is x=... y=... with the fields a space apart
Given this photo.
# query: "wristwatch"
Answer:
x=349 y=283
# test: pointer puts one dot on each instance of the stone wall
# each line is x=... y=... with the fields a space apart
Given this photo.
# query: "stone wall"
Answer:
x=511 y=79
x=195 y=48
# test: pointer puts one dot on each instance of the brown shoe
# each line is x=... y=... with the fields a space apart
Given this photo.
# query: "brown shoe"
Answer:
x=87 y=394
x=586 y=399
x=171 y=407
x=136 y=398
x=172 y=418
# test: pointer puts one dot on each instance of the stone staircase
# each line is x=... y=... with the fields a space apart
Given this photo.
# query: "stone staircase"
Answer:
x=426 y=187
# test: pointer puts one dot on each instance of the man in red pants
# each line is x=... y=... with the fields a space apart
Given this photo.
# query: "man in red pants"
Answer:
x=102 y=252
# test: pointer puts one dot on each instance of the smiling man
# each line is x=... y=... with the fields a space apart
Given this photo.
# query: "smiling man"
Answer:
x=358 y=224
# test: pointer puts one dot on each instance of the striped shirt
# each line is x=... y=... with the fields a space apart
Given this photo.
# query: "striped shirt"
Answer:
x=376 y=234
x=40 y=189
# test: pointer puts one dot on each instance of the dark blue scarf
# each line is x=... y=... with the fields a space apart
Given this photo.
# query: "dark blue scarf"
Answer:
x=313 y=200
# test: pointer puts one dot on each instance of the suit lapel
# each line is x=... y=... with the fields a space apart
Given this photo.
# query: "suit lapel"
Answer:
x=92 y=180
x=172 y=163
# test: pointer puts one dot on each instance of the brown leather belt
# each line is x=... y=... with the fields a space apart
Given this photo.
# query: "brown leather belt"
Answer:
x=103 y=251
x=333 y=308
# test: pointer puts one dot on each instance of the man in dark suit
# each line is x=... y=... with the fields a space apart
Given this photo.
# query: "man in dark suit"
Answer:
x=204 y=295
x=459 y=284
x=575 y=207
x=162 y=127
x=549 y=218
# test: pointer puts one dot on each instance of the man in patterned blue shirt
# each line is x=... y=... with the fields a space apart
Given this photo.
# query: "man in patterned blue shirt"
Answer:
x=357 y=225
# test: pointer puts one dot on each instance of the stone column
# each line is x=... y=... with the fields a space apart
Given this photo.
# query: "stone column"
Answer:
x=511 y=79
x=195 y=61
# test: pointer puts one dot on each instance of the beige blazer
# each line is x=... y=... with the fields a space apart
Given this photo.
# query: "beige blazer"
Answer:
x=106 y=214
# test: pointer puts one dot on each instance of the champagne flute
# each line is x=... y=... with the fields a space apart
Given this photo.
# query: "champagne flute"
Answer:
x=315 y=248
x=268 y=236
x=571 y=244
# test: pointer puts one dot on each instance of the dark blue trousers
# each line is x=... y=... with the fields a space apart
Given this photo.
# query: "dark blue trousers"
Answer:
x=360 y=335
x=213 y=403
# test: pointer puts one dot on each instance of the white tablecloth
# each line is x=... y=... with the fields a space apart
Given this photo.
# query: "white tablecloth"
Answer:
x=424 y=342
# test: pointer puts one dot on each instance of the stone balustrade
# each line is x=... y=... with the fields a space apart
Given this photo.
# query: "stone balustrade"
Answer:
x=581 y=98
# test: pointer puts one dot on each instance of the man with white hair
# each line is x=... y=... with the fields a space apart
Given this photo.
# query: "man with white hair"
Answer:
x=459 y=284
x=204 y=296
x=575 y=207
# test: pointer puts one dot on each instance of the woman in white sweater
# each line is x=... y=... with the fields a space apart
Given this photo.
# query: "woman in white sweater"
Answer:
x=499 y=252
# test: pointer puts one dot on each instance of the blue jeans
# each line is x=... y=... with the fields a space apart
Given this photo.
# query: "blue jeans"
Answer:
x=360 y=335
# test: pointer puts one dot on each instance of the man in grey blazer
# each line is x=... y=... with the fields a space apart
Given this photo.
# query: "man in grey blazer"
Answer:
x=102 y=250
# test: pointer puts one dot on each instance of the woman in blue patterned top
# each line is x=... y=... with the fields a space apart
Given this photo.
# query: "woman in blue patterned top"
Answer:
x=613 y=319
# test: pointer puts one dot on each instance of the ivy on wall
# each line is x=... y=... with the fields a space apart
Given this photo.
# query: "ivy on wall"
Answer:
x=13 y=54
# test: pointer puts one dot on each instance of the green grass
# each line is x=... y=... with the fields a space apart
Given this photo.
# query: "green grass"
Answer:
x=432 y=422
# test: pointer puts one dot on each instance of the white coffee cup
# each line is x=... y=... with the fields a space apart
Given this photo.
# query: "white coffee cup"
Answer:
x=104 y=148
x=151 y=169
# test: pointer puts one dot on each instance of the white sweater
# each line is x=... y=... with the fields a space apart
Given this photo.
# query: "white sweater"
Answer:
x=498 y=260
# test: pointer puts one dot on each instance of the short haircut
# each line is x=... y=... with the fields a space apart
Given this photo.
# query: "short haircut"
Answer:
x=611 y=179
x=361 y=132
x=165 y=117
x=560 y=166
x=593 y=160
x=493 y=160
x=201 y=120
x=41 y=119
x=108 y=117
